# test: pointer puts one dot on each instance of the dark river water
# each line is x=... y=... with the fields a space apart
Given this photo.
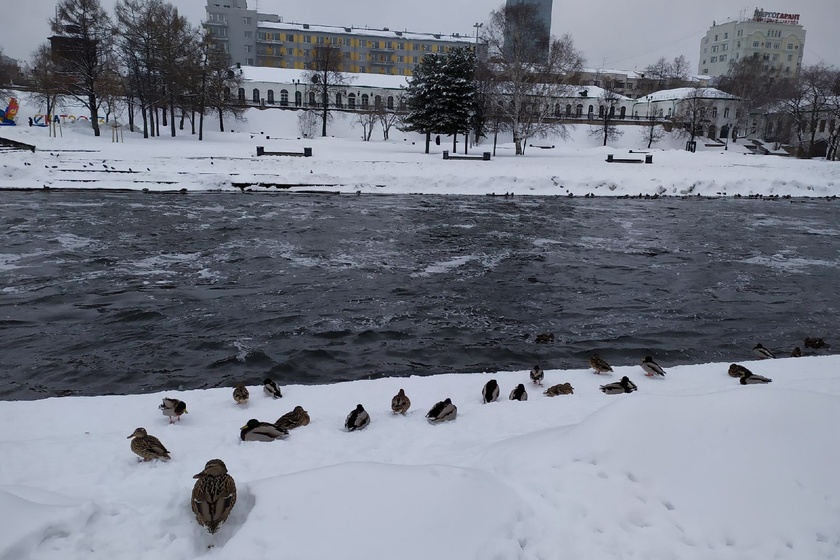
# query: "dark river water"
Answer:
x=130 y=292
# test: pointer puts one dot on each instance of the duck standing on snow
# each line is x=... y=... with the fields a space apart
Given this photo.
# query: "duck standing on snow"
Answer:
x=443 y=411
x=796 y=353
x=400 y=403
x=255 y=430
x=490 y=392
x=561 y=389
x=147 y=447
x=599 y=365
x=815 y=343
x=173 y=408
x=623 y=386
x=762 y=353
x=358 y=419
x=737 y=370
x=271 y=389
x=652 y=368
x=240 y=393
x=537 y=375
x=213 y=495
x=753 y=379
x=519 y=393
x=294 y=419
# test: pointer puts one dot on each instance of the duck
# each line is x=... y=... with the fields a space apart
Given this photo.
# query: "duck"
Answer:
x=519 y=393
x=255 y=430
x=623 y=386
x=816 y=343
x=294 y=419
x=652 y=368
x=147 y=447
x=400 y=403
x=173 y=408
x=240 y=393
x=537 y=374
x=443 y=411
x=213 y=495
x=737 y=370
x=753 y=379
x=358 y=419
x=560 y=389
x=762 y=353
x=599 y=365
x=490 y=392
x=271 y=389
x=544 y=338
x=796 y=353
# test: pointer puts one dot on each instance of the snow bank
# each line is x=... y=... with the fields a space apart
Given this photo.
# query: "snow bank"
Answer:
x=692 y=466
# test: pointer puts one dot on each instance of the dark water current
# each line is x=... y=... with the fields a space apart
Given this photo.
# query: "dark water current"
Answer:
x=130 y=292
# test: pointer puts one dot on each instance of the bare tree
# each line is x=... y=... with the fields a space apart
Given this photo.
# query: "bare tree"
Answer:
x=665 y=74
x=693 y=113
x=366 y=117
x=219 y=82
x=308 y=123
x=807 y=101
x=606 y=114
x=755 y=83
x=653 y=131
x=45 y=81
x=389 y=117
x=83 y=44
x=325 y=76
x=529 y=89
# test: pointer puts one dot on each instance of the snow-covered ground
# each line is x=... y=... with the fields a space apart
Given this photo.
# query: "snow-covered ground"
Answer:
x=344 y=163
x=692 y=466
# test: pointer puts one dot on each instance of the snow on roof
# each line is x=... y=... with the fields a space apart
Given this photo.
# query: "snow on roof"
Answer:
x=681 y=93
x=287 y=75
x=595 y=92
x=385 y=33
x=628 y=73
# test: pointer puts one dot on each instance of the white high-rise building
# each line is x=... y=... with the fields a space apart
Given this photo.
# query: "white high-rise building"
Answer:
x=776 y=37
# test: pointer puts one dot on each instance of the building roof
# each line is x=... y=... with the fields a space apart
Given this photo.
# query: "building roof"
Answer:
x=384 y=33
x=287 y=75
x=679 y=94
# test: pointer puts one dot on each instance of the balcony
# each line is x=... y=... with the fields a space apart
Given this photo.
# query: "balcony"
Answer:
x=381 y=50
x=381 y=62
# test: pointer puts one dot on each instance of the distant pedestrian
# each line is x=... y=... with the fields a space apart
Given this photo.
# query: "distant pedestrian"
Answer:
x=30 y=121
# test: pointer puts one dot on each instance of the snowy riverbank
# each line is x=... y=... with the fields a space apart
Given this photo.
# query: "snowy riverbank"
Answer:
x=691 y=466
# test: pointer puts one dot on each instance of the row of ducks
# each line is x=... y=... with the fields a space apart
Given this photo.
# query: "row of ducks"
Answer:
x=214 y=492
x=763 y=353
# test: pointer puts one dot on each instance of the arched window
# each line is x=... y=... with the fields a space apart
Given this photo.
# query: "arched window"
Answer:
x=255 y=95
x=557 y=110
x=714 y=112
x=311 y=98
x=338 y=100
x=351 y=100
x=568 y=110
x=622 y=113
x=227 y=92
x=390 y=102
x=284 y=97
x=298 y=99
x=612 y=111
x=241 y=95
x=403 y=106
x=579 y=110
x=377 y=102
x=365 y=101
x=600 y=111
x=270 y=97
x=591 y=110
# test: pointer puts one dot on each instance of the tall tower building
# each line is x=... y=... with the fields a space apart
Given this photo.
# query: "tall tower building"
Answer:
x=539 y=36
x=777 y=38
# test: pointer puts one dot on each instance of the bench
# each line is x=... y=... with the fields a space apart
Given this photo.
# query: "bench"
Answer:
x=307 y=152
x=483 y=157
x=613 y=159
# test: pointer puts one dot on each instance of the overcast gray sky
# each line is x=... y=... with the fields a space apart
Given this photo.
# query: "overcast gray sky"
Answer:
x=611 y=33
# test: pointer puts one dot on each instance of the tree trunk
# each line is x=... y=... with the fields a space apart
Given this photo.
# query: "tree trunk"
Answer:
x=151 y=121
x=221 y=120
x=466 y=140
x=94 y=113
x=455 y=143
x=518 y=143
x=145 y=120
x=428 y=140
x=325 y=110
x=172 y=117
x=183 y=118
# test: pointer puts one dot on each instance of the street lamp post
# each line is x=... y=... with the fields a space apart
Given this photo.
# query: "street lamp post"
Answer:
x=296 y=82
x=477 y=27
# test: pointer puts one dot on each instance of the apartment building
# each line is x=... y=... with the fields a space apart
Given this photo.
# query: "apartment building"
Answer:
x=257 y=39
x=776 y=37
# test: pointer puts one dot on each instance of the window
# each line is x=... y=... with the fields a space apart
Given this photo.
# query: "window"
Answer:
x=600 y=111
x=246 y=20
x=775 y=58
x=284 y=97
x=403 y=105
x=715 y=48
x=270 y=97
x=591 y=109
x=298 y=98
x=365 y=101
x=776 y=46
x=220 y=32
x=312 y=102
x=722 y=58
x=241 y=95
x=351 y=100
x=290 y=37
x=377 y=102
x=726 y=112
x=255 y=95
x=713 y=59
x=400 y=58
x=338 y=100
x=217 y=18
x=401 y=46
x=755 y=44
x=790 y=46
x=739 y=44
x=716 y=38
x=726 y=35
x=346 y=56
x=307 y=38
x=248 y=48
x=714 y=112
x=568 y=110
x=579 y=110
x=390 y=102
x=790 y=58
x=724 y=47
x=362 y=69
x=263 y=36
x=414 y=59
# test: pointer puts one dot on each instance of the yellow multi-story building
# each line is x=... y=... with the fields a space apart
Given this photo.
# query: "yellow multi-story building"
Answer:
x=255 y=39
